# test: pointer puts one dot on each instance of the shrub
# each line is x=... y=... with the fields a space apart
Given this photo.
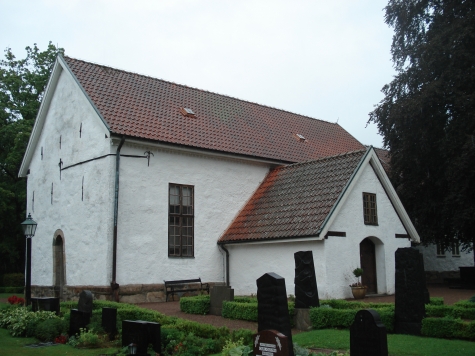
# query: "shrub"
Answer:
x=246 y=310
x=195 y=305
x=22 y=322
x=236 y=348
x=88 y=338
x=50 y=329
x=436 y=301
x=245 y=334
x=11 y=290
x=13 y=280
x=175 y=342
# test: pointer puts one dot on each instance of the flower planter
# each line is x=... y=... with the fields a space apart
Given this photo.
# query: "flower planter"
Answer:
x=359 y=292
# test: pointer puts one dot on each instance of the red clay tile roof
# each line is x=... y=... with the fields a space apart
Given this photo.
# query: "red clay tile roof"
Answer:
x=148 y=108
x=384 y=158
x=294 y=200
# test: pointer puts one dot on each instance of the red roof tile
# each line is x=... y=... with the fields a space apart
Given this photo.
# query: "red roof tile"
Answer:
x=149 y=108
x=294 y=200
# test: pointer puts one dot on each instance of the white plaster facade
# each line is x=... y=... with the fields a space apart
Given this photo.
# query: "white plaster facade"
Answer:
x=334 y=257
x=446 y=263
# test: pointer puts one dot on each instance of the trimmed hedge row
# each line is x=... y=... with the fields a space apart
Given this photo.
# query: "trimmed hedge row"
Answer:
x=247 y=310
x=195 y=305
x=453 y=311
x=325 y=317
x=448 y=327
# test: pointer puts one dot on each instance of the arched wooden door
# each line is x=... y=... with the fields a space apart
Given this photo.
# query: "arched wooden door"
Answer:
x=368 y=264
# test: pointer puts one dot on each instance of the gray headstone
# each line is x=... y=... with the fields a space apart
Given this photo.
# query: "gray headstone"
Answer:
x=272 y=307
x=270 y=342
x=368 y=335
x=306 y=292
x=218 y=295
x=411 y=291
x=85 y=302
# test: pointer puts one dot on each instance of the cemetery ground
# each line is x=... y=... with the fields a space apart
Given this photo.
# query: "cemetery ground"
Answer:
x=327 y=339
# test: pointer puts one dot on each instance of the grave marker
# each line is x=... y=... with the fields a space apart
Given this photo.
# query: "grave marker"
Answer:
x=272 y=307
x=306 y=292
x=368 y=335
x=270 y=343
x=218 y=295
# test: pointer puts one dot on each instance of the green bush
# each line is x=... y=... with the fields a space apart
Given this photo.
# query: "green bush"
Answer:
x=49 y=329
x=195 y=305
x=438 y=311
x=13 y=280
x=20 y=321
x=13 y=290
x=465 y=304
x=447 y=327
x=344 y=304
x=343 y=318
x=436 y=301
x=247 y=310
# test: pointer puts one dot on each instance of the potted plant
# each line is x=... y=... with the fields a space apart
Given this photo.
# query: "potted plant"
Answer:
x=357 y=288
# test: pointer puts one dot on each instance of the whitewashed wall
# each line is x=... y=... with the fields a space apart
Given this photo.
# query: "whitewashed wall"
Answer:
x=86 y=223
x=335 y=257
x=221 y=188
x=447 y=263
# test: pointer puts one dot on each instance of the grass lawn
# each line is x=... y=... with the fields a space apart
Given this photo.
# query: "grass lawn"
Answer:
x=15 y=346
x=398 y=345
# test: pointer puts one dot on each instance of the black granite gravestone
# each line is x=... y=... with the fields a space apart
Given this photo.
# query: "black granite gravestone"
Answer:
x=272 y=307
x=306 y=292
x=141 y=333
x=218 y=295
x=411 y=291
x=109 y=321
x=368 y=335
x=46 y=304
x=78 y=320
x=270 y=343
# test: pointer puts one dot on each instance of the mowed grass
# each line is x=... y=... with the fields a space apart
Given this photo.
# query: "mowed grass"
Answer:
x=16 y=346
x=398 y=345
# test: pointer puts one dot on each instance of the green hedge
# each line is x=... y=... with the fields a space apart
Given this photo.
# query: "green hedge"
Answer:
x=448 y=327
x=13 y=290
x=195 y=305
x=13 y=280
x=325 y=317
x=344 y=304
x=245 y=309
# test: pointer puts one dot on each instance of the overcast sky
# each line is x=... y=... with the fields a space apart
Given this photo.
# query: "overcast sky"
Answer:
x=327 y=59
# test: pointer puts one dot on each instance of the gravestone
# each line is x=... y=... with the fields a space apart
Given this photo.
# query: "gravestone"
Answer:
x=272 y=307
x=109 y=321
x=270 y=343
x=141 y=333
x=46 y=304
x=411 y=291
x=85 y=301
x=218 y=295
x=368 y=335
x=306 y=292
x=81 y=316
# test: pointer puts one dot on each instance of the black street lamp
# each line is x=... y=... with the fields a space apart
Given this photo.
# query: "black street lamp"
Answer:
x=29 y=229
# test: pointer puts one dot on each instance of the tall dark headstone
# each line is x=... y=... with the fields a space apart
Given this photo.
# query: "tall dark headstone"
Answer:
x=109 y=321
x=272 y=307
x=306 y=292
x=218 y=295
x=411 y=291
x=368 y=335
x=141 y=333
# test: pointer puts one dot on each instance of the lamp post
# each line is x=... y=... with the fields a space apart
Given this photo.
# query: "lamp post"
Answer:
x=29 y=228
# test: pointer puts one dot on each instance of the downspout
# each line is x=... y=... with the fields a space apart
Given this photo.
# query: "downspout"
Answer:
x=114 y=284
x=227 y=263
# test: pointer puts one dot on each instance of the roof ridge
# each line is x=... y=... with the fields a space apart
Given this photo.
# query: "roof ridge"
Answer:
x=201 y=90
x=326 y=158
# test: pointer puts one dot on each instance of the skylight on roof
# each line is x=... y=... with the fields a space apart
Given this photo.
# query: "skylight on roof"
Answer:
x=187 y=112
x=300 y=137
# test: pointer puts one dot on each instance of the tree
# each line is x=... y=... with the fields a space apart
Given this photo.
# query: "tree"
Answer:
x=22 y=84
x=427 y=118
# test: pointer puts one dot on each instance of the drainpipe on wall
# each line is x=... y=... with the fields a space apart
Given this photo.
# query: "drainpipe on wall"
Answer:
x=114 y=284
x=227 y=263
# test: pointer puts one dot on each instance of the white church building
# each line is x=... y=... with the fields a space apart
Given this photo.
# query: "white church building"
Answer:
x=135 y=180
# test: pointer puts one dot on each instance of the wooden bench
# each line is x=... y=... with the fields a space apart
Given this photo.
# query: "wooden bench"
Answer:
x=173 y=287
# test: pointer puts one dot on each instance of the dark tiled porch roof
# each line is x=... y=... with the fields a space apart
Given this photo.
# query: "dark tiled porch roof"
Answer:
x=294 y=200
x=147 y=108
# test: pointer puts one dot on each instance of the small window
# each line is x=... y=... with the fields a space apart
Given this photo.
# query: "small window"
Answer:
x=181 y=220
x=369 y=209
x=440 y=249
x=187 y=112
x=455 y=249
